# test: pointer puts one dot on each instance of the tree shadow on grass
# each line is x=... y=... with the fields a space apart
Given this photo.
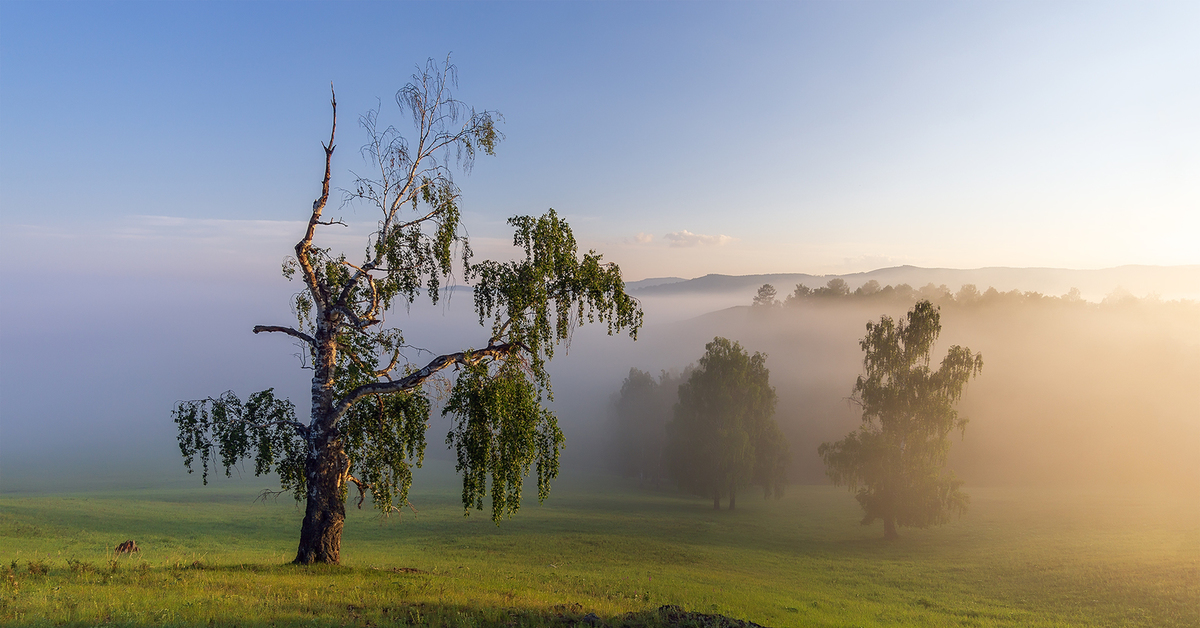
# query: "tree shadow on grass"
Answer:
x=459 y=615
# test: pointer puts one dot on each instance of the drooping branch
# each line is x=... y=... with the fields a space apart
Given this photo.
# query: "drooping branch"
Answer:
x=416 y=378
x=285 y=330
x=301 y=429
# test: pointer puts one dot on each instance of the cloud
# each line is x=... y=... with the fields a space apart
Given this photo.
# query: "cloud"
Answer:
x=643 y=238
x=687 y=238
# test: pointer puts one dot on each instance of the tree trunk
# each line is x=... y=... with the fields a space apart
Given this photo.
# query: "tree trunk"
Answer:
x=326 y=464
x=889 y=529
x=716 y=500
x=732 y=496
x=325 y=510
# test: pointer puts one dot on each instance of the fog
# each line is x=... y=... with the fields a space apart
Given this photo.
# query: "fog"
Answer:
x=1071 y=392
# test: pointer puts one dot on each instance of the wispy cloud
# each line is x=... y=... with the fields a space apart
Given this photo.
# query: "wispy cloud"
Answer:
x=643 y=238
x=687 y=238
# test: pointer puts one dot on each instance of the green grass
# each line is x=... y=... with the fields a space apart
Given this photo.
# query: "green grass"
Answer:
x=1021 y=557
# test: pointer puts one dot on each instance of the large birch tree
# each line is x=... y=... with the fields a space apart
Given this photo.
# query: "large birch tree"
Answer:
x=370 y=404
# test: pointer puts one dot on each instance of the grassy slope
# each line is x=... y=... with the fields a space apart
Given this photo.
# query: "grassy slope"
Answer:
x=1022 y=557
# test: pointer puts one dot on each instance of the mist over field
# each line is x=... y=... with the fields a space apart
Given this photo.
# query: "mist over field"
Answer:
x=1087 y=392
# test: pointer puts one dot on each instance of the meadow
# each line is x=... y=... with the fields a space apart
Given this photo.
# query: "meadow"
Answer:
x=215 y=556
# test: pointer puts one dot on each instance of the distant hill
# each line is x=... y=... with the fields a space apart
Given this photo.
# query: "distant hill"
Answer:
x=1169 y=282
x=651 y=282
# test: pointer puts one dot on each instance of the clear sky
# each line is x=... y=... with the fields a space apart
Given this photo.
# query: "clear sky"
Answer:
x=678 y=138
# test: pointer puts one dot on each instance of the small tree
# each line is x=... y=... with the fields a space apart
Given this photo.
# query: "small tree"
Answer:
x=639 y=415
x=723 y=436
x=798 y=295
x=835 y=288
x=369 y=409
x=765 y=296
x=895 y=462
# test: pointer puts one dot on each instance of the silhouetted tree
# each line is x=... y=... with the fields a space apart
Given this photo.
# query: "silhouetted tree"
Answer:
x=867 y=289
x=765 y=296
x=800 y=293
x=835 y=288
x=639 y=415
x=723 y=436
x=968 y=294
x=369 y=409
x=895 y=461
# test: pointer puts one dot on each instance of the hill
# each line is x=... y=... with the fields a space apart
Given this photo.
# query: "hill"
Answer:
x=1168 y=282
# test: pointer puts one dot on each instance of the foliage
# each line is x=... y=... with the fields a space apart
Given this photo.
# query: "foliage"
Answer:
x=723 y=436
x=895 y=461
x=537 y=301
x=638 y=416
x=501 y=429
x=262 y=427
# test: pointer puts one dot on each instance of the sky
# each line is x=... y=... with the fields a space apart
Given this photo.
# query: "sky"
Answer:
x=679 y=139
x=159 y=159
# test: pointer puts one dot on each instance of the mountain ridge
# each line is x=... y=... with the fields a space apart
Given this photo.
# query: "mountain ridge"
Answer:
x=1169 y=282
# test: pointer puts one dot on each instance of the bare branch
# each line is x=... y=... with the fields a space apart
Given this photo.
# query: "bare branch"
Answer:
x=359 y=273
x=268 y=494
x=362 y=488
x=303 y=246
x=286 y=330
x=355 y=322
x=363 y=365
x=412 y=380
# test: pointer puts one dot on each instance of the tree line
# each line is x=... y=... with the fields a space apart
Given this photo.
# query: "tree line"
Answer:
x=967 y=295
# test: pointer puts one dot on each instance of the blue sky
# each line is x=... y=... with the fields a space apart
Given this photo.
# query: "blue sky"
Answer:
x=786 y=137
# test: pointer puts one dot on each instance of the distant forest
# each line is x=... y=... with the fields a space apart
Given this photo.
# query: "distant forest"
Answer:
x=968 y=294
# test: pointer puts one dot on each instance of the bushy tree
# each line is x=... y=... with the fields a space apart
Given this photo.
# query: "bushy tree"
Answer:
x=895 y=462
x=369 y=406
x=723 y=436
x=638 y=418
x=765 y=296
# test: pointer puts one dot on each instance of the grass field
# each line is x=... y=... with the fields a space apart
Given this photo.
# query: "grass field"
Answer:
x=213 y=556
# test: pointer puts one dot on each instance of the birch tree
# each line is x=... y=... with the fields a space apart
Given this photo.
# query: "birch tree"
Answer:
x=895 y=462
x=370 y=404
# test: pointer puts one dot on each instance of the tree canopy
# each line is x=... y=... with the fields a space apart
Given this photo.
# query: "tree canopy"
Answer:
x=370 y=408
x=895 y=461
x=723 y=436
